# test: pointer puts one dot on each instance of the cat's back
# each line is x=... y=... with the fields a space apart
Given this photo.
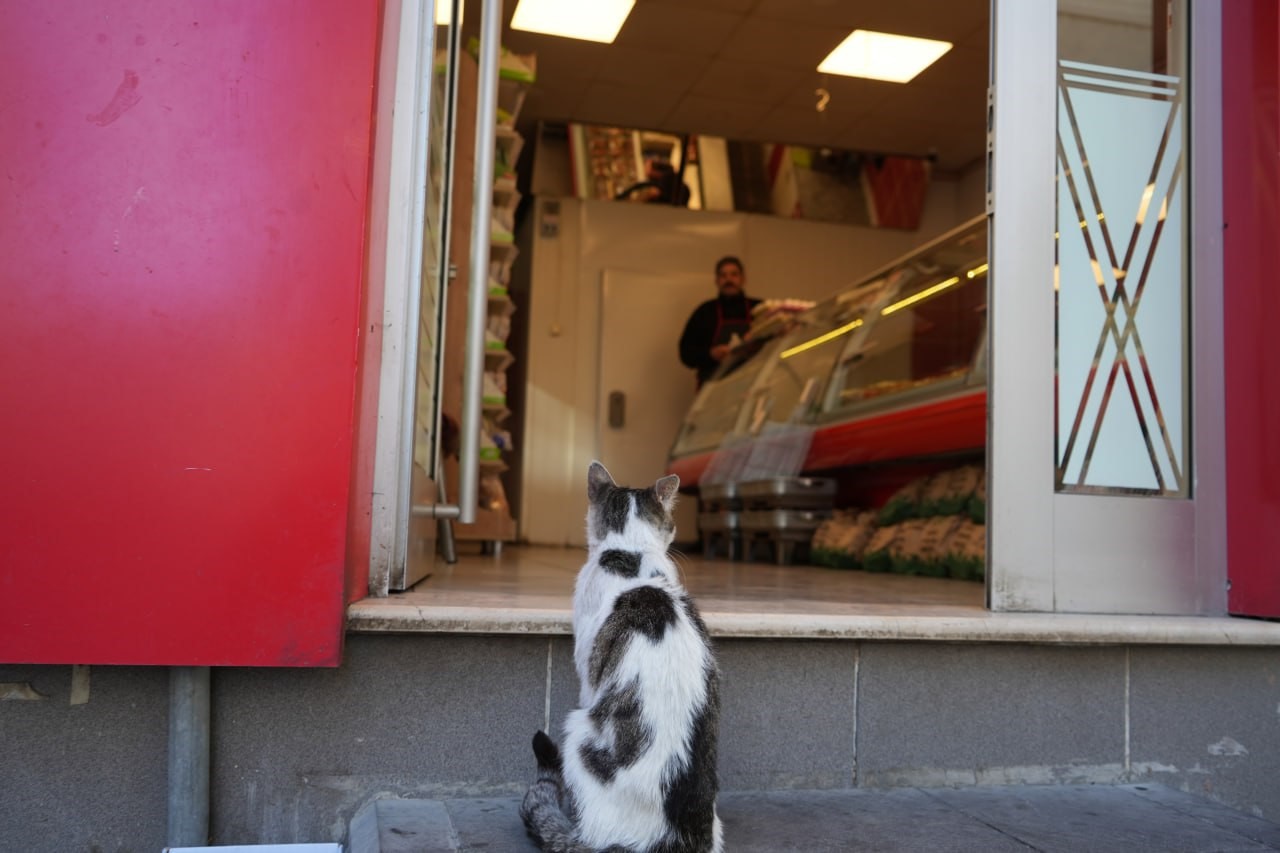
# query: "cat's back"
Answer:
x=653 y=618
x=646 y=742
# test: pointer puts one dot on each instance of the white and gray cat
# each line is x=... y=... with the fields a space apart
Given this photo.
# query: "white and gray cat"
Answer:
x=637 y=773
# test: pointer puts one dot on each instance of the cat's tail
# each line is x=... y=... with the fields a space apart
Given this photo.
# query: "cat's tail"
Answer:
x=548 y=755
x=541 y=809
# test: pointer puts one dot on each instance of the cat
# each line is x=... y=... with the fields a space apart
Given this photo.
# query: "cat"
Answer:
x=638 y=769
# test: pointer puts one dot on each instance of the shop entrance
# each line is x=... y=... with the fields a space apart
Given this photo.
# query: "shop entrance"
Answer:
x=795 y=253
x=1041 y=484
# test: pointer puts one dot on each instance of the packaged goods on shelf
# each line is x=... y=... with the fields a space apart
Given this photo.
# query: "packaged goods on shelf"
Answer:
x=493 y=496
x=494 y=391
x=493 y=342
x=774 y=316
x=499 y=326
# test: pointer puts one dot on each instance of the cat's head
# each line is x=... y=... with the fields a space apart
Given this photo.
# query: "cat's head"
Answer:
x=644 y=516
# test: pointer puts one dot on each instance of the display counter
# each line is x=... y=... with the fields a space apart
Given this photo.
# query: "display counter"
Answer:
x=891 y=368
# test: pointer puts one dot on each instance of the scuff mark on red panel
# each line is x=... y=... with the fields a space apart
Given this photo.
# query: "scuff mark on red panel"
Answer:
x=125 y=99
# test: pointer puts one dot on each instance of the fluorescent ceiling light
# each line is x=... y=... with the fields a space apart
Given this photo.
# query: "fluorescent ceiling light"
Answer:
x=821 y=339
x=444 y=12
x=883 y=56
x=590 y=20
x=924 y=294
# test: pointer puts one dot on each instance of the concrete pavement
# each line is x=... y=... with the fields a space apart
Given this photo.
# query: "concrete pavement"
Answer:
x=1052 y=819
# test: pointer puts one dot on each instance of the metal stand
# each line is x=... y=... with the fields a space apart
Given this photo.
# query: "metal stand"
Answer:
x=189 y=701
x=448 y=545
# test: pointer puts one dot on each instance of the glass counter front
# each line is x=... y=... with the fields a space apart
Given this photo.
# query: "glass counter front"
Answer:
x=913 y=332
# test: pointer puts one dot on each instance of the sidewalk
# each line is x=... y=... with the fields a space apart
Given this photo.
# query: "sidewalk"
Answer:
x=1076 y=819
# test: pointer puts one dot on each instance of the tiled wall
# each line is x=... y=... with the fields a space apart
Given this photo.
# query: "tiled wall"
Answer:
x=296 y=752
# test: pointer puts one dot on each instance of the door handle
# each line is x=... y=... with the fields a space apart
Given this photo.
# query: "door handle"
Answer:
x=617 y=409
x=477 y=276
x=478 y=271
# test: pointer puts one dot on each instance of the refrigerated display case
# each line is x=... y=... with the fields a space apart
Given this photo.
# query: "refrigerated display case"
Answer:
x=891 y=368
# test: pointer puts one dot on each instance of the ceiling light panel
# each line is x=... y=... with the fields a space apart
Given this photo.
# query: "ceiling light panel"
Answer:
x=444 y=12
x=883 y=56
x=589 y=20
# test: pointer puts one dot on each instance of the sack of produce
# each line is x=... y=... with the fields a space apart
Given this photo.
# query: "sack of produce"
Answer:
x=839 y=541
x=965 y=550
x=949 y=492
x=918 y=548
x=977 y=508
x=878 y=555
x=904 y=504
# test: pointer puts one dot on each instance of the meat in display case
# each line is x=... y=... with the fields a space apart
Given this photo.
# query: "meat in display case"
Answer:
x=891 y=368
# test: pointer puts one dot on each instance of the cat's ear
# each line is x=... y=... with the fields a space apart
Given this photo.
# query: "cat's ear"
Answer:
x=598 y=480
x=666 y=489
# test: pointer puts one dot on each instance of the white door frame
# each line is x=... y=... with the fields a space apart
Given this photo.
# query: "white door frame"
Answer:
x=395 y=246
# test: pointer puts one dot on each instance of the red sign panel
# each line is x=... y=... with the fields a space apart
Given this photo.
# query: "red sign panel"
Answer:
x=184 y=196
x=1251 y=197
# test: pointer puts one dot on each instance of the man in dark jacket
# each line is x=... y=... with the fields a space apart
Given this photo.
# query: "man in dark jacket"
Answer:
x=715 y=323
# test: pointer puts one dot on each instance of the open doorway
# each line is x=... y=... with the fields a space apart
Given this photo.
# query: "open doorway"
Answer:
x=743 y=74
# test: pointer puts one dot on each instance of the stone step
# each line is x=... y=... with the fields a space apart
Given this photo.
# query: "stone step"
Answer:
x=1052 y=819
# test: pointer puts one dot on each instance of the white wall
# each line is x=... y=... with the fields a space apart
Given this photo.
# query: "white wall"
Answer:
x=783 y=258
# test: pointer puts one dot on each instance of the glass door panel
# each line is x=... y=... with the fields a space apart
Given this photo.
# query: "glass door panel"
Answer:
x=440 y=69
x=1123 y=412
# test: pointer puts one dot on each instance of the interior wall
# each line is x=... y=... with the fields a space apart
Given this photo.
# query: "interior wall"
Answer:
x=784 y=258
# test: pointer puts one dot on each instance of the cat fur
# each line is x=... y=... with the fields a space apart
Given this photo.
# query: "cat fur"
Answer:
x=637 y=772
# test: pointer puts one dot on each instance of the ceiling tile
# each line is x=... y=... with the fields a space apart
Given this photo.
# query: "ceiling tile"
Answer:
x=746 y=81
x=835 y=13
x=746 y=69
x=636 y=67
x=798 y=126
x=740 y=7
x=978 y=38
x=928 y=18
x=843 y=94
x=678 y=28
x=715 y=116
x=560 y=61
x=951 y=20
x=549 y=105
x=959 y=68
x=782 y=44
x=916 y=102
x=625 y=106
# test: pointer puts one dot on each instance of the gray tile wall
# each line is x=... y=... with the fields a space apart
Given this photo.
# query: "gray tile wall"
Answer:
x=90 y=776
x=941 y=714
x=1207 y=721
x=787 y=714
x=297 y=752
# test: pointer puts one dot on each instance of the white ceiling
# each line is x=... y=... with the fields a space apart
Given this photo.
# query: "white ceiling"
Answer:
x=746 y=69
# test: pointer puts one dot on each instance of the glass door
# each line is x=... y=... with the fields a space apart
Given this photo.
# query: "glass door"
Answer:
x=438 y=271
x=419 y=106
x=1105 y=445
